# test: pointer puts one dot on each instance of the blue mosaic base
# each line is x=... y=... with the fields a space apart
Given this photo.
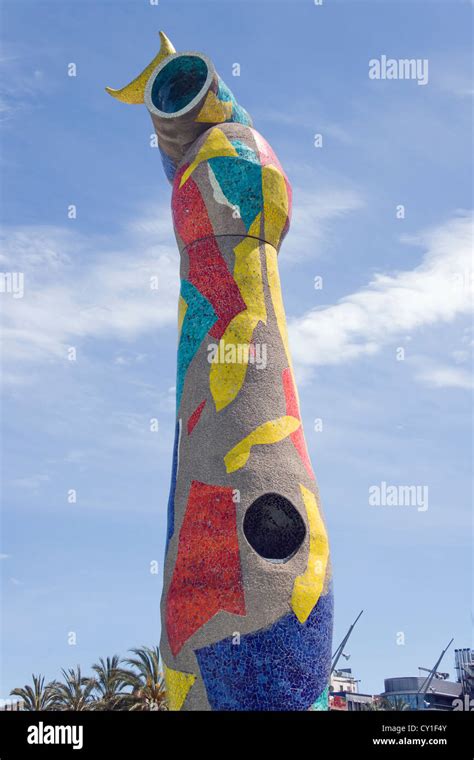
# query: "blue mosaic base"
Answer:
x=284 y=667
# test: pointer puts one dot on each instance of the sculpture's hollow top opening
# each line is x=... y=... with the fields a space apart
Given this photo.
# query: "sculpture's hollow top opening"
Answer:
x=178 y=83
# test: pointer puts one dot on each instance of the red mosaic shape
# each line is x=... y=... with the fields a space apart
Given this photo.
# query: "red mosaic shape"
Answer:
x=194 y=418
x=293 y=410
x=189 y=210
x=209 y=274
x=207 y=576
x=266 y=153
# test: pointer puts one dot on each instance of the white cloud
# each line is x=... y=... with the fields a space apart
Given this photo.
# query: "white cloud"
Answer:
x=313 y=213
x=441 y=376
x=78 y=287
x=31 y=482
x=436 y=291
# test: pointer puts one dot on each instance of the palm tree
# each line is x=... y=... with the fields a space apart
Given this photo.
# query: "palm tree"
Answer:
x=76 y=693
x=146 y=680
x=109 y=684
x=38 y=697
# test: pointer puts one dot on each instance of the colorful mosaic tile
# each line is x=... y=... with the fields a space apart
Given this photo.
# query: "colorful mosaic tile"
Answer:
x=273 y=669
x=207 y=575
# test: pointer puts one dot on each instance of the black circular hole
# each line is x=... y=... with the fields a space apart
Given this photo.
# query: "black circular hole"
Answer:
x=273 y=527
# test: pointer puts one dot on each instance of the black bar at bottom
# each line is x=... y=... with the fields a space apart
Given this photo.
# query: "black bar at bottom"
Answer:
x=406 y=734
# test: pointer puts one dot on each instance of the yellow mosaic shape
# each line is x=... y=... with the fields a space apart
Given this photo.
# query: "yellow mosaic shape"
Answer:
x=178 y=685
x=272 y=431
x=274 y=286
x=214 y=110
x=308 y=587
x=134 y=93
x=182 y=309
x=215 y=145
x=226 y=378
x=275 y=203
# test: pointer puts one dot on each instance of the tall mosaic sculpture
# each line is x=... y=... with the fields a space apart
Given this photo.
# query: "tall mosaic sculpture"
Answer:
x=247 y=599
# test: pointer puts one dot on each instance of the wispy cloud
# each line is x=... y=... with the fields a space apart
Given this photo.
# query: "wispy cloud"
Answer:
x=307 y=117
x=21 y=84
x=444 y=376
x=32 y=482
x=82 y=286
x=313 y=214
x=436 y=291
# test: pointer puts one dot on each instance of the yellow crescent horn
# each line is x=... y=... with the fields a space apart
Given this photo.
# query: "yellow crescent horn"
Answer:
x=134 y=92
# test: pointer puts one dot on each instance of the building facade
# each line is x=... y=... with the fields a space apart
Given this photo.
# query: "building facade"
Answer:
x=405 y=691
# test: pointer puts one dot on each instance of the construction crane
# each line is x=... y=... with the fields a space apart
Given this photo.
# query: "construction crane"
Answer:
x=340 y=650
x=440 y=676
x=421 y=693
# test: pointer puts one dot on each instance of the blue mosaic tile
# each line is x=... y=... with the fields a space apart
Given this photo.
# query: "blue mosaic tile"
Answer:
x=284 y=667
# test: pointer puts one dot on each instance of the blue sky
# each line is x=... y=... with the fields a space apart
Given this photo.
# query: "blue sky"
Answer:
x=388 y=283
